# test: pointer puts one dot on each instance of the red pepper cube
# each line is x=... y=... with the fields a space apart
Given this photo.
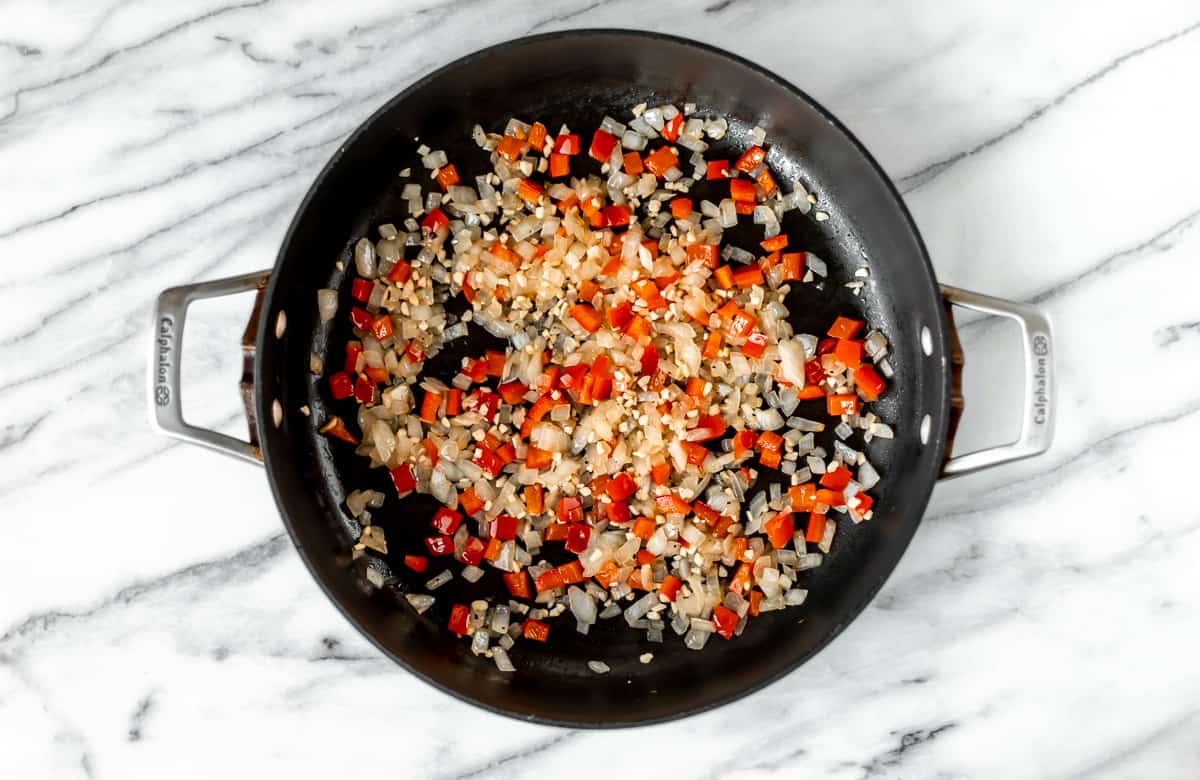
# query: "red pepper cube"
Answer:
x=870 y=384
x=643 y=527
x=489 y=461
x=863 y=503
x=793 y=266
x=844 y=328
x=749 y=275
x=569 y=509
x=360 y=289
x=621 y=486
x=567 y=144
x=756 y=344
x=364 y=390
x=751 y=159
x=838 y=405
x=503 y=527
x=560 y=165
x=439 y=546
x=548 y=580
x=741 y=190
x=717 y=169
x=341 y=386
x=616 y=216
x=618 y=512
x=669 y=587
x=836 y=478
x=535 y=630
x=724 y=621
x=780 y=530
x=495 y=362
x=577 y=537
x=472 y=552
x=587 y=317
x=418 y=563
x=400 y=272
x=404 y=479
x=671 y=504
x=446 y=521
x=662 y=160
x=849 y=352
x=435 y=221
x=361 y=318
x=513 y=392
x=430 y=405
x=458 y=619
x=602 y=146
x=517 y=583
x=803 y=497
x=447 y=176
x=816 y=528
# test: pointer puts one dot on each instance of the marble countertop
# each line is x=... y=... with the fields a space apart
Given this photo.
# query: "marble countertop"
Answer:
x=1043 y=623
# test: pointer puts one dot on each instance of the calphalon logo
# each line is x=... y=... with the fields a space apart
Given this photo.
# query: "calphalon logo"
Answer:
x=162 y=363
x=1041 y=377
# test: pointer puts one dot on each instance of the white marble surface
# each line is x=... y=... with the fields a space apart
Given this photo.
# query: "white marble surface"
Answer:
x=154 y=622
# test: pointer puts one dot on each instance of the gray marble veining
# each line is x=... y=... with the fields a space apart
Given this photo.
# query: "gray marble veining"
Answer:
x=1043 y=623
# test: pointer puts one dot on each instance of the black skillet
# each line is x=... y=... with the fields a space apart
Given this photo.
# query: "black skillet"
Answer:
x=577 y=77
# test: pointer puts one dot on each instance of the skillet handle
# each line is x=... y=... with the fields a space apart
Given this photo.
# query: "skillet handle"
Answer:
x=1037 y=422
x=166 y=407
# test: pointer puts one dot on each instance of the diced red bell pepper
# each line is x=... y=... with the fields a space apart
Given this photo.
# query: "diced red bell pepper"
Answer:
x=572 y=376
x=743 y=442
x=633 y=164
x=537 y=136
x=841 y=404
x=836 y=478
x=619 y=315
x=660 y=472
x=556 y=532
x=662 y=160
x=849 y=352
x=621 y=486
x=361 y=319
x=435 y=221
x=447 y=176
x=696 y=453
x=458 y=619
x=381 y=327
x=571 y=573
x=560 y=165
x=816 y=528
x=536 y=458
x=706 y=512
x=780 y=529
x=567 y=143
x=844 y=328
x=487 y=404
x=713 y=423
x=618 y=512
x=671 y=504
x=814 y=374
x=742 y=323
x=453 y=402
x=418 y=563
x=470 y=502
x=475 y=370
x=513 y=392
x=748 y=276
x=712 y=345
x=649 y=360
x=742 y=579
x=681 y=208
x=472 y=551
x=353 y=353
x=404 y=479
x=741 y=190
x=766 y=181
x=402 y=271
x=864 y=503
x=530 y=191
x=439 y=546
x=577 y=537
x=793 y=266
x=775 y=243
x=341 y=386
x=569 y=509
x=647 y=290
x=496 y=361
x=724 y=620
x=751 y=159
x=446 y=521
x=503 y=527
x=511 y=147
x=548 y=580
x=771 y=446
x=669 y=587
x=489 y=461
x=755 y=346
x=638 y=329
x=743 y=207
x=869 y=383
x=830 y=497
x=724 y=277
x=493 y=550
x=717 y=169
x=517 y=583
x=643 y=527
x=360 y=289
x=364 y=390
x=535 y=499
x=802 y=497
x=587 y=317
x=430 y=405
x=616 y=216
x=671 y=128
x=602 y=146
x=535 y=630
x=709 y=254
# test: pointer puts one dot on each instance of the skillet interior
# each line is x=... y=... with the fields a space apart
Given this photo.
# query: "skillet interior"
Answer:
x=577 y=77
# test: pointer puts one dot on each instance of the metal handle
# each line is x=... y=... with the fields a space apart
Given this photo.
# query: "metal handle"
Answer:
x=166 y=407
x=1037 y=423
